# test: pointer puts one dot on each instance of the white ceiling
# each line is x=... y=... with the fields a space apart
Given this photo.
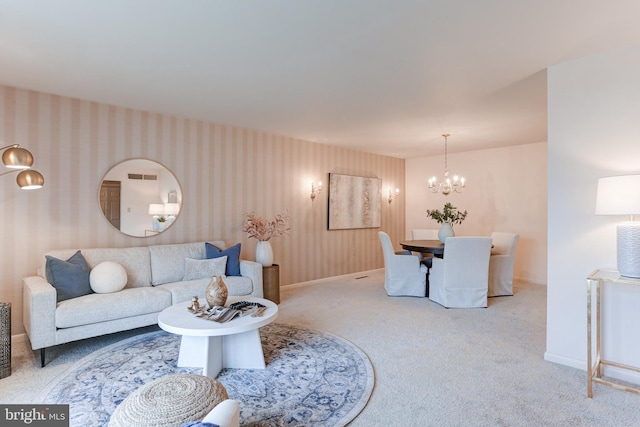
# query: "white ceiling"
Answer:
x=385 y=76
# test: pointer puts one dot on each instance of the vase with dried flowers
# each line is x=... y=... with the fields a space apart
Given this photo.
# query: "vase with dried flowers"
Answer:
x=263 y=230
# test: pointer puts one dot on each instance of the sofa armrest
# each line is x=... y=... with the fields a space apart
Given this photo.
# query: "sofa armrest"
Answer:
x=253 y=270
x=39 y=311
x=225 y=414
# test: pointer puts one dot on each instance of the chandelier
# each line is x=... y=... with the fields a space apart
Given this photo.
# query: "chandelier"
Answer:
x=447 y=185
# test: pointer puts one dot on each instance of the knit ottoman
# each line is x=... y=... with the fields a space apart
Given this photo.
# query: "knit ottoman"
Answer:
x=169 y=401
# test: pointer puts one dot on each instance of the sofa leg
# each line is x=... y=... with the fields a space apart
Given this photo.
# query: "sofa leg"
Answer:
x=42 y=357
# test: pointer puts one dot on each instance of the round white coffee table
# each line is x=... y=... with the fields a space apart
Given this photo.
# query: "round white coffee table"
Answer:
x=213 y=346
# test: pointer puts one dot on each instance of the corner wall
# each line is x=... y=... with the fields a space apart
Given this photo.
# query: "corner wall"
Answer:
x=224 y=172
x=594 y=131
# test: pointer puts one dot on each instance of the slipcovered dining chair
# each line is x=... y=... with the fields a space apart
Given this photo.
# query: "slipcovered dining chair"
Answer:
x=425 y=234
x=503 y=255
x=403 y=274
x=460 y=278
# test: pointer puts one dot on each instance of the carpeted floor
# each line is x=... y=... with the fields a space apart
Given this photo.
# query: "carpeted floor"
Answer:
x=433 y=367
x=312 y=378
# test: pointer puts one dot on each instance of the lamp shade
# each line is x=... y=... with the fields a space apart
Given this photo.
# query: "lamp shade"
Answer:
x=156 y=209
x=618 y=195
x=17 y=158
x=30 y=179
x=171 y=208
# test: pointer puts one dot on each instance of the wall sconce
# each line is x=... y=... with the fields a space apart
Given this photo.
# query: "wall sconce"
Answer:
x=17 y=158
x=316 y=189
x=393 y=195
x=618 y=195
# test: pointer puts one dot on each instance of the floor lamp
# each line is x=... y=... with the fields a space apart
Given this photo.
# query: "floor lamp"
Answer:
x=20 y=159
x=620 y=195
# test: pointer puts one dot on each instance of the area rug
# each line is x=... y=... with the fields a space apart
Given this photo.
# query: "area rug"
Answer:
x=312 y=378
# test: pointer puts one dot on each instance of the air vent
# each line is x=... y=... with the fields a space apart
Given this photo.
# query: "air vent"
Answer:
x=144 y=177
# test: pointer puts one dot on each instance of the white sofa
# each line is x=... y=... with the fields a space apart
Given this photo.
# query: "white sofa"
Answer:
x=154 y=282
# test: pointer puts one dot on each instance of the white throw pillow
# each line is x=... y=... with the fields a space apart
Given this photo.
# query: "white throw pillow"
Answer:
x=202 y=268
x=107 y=277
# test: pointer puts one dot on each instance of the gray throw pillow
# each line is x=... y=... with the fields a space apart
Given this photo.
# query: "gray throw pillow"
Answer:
x=70 y=277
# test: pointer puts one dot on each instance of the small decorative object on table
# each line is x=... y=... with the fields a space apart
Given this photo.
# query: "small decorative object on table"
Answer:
x=217 y=292
x=195 y=306
x=449 y=216
x=263 y=230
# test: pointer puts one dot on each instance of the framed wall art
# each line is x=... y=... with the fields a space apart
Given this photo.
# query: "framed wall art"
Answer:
x=354 y=202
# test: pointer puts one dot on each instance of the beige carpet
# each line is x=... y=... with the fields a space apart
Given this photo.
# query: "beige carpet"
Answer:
x=433 y=367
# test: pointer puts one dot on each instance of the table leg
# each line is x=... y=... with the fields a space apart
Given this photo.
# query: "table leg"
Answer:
x=202 y=352
x=212 y=354
x=243 y=350
x=589 y=366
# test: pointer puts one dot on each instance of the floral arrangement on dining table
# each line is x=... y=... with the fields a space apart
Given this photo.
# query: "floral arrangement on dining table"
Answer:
x=264 y=229
x=450 y=214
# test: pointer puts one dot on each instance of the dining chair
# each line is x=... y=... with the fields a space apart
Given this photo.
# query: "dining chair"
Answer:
x=425 y=234
x=501 y=263
x=460 y=279
x=403 y=274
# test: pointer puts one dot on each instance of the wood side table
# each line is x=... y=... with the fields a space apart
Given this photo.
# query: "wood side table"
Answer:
x=271 y=283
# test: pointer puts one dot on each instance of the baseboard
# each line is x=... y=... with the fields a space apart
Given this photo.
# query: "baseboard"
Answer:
x=324 y=279
x=566 y=361
x=610 y=371
x=19 y=338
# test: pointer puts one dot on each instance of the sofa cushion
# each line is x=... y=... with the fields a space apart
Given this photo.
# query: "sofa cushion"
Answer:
x=167 y=261
x=184 y=291
x=204 y=268
x=107 y=277
x=134 y=260
x=70 y=277
x=96 y=308
x=232 y=254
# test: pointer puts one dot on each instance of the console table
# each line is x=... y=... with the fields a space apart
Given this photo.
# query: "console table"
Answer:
x=595 y=281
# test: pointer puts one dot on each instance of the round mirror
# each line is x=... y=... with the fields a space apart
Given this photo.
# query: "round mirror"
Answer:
x=140 y=197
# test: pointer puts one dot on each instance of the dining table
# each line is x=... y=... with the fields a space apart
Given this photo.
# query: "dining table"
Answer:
x=434 y=247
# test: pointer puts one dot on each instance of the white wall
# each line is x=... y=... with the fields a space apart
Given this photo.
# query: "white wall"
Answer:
x=594 y=131
x=506 y=191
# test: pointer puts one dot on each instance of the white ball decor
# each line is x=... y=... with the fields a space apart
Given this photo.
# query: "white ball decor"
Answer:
x=107 y=277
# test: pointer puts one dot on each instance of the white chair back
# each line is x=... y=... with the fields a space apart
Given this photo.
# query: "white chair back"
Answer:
x=460 y=279
x=403 y=274
x=424 y=234
x=501 y=264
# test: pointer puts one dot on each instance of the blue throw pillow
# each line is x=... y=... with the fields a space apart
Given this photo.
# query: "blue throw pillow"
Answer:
x=199 y=424
x=232 y=254
x=70 y=277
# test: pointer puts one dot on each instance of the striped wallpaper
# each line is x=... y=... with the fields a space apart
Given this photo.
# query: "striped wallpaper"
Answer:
x=224 y=171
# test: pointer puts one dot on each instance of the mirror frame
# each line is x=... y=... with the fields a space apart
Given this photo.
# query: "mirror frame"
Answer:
x=132 y=206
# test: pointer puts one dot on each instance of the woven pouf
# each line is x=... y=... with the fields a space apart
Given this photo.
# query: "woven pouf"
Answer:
x=169 y=401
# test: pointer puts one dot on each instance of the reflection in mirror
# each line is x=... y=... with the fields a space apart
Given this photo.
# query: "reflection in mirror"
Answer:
x=140 y=197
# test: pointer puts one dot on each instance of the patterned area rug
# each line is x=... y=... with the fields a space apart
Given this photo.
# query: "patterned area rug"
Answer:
x=312 y=378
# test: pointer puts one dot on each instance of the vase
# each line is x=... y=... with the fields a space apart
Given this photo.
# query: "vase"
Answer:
x=217 y=292
x=264 y=253
x=446 y=230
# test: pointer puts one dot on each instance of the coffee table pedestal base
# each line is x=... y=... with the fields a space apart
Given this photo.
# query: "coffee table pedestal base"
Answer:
x=212 y=354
